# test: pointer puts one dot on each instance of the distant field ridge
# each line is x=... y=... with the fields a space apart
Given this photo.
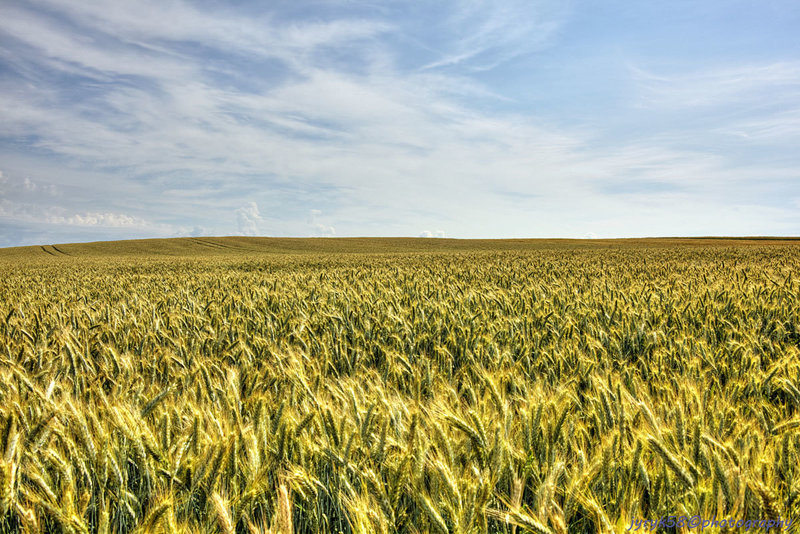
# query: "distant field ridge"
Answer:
x=204 y=246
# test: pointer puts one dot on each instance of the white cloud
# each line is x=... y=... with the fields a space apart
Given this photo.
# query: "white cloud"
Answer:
x=195 y=231
x=27 y=187
x=143 y=33
x=22 y=212
x=319 y=229
x=109 y=220
x=429 y=233
x=249 y=219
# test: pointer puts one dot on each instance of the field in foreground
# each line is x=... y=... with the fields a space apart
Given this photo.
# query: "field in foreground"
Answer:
x=397 y=385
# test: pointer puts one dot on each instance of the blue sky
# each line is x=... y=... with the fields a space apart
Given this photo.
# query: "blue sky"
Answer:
x=361 y=118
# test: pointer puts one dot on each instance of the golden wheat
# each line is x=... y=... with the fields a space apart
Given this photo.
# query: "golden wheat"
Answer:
x=559 y=389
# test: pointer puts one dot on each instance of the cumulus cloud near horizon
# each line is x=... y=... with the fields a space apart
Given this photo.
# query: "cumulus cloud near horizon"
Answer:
x=108 y=219
x=319 y=229
x=249 y=219
x=429 y=233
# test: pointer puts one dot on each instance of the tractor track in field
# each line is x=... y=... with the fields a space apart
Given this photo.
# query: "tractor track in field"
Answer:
x=211 y=244
x=207 y=244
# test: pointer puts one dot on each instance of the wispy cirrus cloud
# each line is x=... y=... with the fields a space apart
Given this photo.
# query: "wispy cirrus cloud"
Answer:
x=754 y=84
x=748 y=112
x=781 y=126
x=487 y=33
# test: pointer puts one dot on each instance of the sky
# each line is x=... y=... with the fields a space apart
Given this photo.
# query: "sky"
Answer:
x=464 y=119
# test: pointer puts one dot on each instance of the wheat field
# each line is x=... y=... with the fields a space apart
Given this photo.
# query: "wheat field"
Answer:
x=397 y=386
